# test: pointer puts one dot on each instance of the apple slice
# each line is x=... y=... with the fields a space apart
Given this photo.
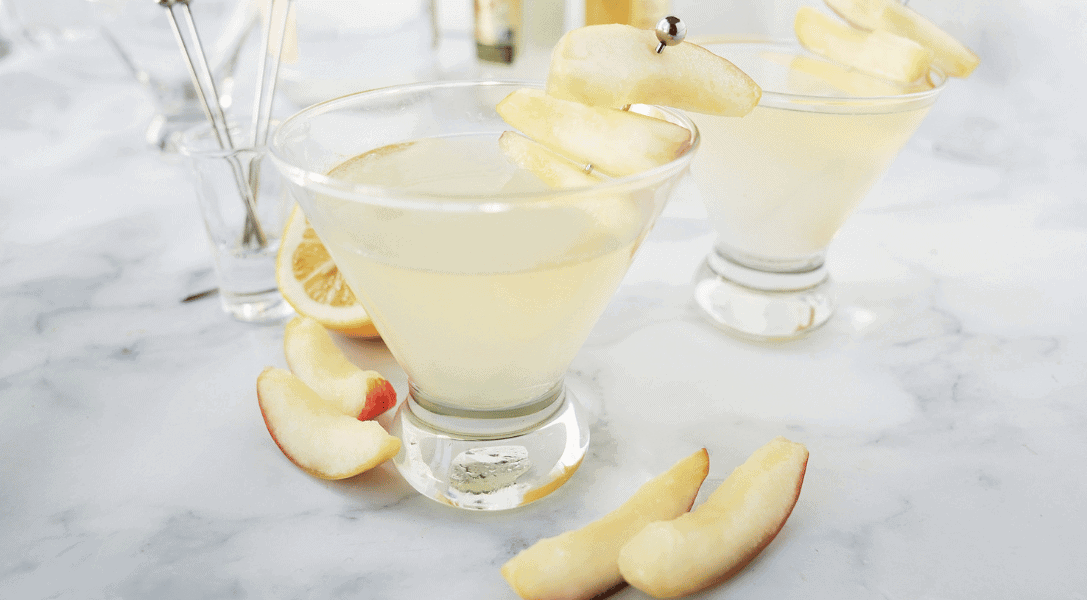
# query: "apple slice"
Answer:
x=319 y=363
x=878 y=52
x=582 y=563
x=615 y=65
x=314 y=434
x=718 y=538
x=553 y=169
x=803 y=68
x=949 y=54
x=615 y=142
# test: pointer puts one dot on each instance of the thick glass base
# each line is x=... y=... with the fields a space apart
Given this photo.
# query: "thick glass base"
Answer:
x=486 y=461
x=260 y=307
x=763 y=305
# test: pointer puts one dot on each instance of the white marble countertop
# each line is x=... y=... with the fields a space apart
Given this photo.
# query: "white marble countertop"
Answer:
x=945 y=405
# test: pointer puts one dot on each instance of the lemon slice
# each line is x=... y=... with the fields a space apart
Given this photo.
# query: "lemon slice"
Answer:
x=313 y=285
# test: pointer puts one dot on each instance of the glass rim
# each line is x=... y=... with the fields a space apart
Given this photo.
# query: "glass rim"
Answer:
x=776 y=99
x=457 y=202
x=193 y=140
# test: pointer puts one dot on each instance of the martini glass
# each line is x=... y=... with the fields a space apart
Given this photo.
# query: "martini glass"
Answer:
x=781 y=181
x=483 y=282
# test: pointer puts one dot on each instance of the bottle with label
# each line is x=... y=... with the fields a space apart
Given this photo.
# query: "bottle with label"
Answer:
x=498 y=30
x=643 y=14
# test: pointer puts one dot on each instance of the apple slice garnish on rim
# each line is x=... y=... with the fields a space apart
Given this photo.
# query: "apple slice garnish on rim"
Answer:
x=552 y=168
x=949 y=54
x=616 y=65
x=319 y=363
x=615 y=142
x=668 y=559
x=315 y=434
x=580 y=564
x=879 y=53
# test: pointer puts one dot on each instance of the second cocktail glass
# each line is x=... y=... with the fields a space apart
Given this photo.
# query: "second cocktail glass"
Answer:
x=483 y=283
x=780 y=182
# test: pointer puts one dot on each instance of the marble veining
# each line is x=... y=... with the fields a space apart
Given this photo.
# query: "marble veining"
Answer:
x=944 y=405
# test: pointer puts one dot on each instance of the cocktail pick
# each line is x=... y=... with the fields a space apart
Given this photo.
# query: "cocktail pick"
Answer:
x=204 y=82
x=670 y=32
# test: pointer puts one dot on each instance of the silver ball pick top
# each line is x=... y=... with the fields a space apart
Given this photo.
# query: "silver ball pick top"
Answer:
x=670 y=31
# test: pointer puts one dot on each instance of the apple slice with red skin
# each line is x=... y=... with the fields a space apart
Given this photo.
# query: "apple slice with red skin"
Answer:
x=314 y=357
x=580 y=564
x=615 y=142
x=315 y=434
x=668 y=559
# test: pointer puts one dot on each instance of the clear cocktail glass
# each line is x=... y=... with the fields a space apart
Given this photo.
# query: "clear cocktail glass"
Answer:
x=483 y=283
x=780 y=182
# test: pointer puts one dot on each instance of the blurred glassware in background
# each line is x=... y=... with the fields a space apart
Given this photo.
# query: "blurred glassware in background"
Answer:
x=337 y=47
x=6 y=22
x=44 y=23
x=140 y=32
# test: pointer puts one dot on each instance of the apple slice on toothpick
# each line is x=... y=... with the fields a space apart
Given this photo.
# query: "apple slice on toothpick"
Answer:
x=616 y=65
x=668 y=559
x=552 y=168
x=615 y=142
x=319 y=363
x=582 y=563
x=315 y=434
x=878 y=52
x=949 y=54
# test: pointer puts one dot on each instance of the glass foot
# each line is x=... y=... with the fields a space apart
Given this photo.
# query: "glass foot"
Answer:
x=763 y=305
x=259 y=307
x=478 y=463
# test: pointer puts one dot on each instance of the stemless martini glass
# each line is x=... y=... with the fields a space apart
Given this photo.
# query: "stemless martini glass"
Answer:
x=780 y=182
x=483 y=282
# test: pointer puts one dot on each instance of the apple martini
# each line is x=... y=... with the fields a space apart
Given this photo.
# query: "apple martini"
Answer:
x=483 y=280
x=779 y=183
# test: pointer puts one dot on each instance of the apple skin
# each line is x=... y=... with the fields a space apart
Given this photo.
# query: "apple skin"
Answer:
x=314 y=434
x=710 y=544
x=316 y=360
x=580 y=564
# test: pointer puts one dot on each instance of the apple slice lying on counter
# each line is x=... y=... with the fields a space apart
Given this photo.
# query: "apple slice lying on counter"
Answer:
x=668 y=559
x=315 y=434
x=949 y=54
x=582 y=563
x=615 y=65
x=877 y=52
x=319 y=363
x=615 y=142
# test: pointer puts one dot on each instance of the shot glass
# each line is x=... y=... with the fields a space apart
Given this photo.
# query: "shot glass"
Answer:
x=781 y=181
x=244 y=207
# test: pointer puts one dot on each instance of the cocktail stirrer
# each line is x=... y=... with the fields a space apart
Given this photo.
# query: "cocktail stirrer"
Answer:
x=204 y=83
x=271 y=50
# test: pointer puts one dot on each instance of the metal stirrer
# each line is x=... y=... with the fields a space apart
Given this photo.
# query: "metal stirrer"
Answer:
x=267 y=75
x=253 y=236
